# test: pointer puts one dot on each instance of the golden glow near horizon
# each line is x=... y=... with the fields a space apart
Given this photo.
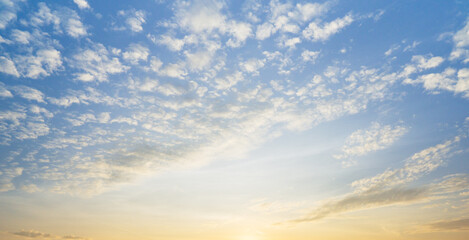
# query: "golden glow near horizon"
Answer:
x=234 y=120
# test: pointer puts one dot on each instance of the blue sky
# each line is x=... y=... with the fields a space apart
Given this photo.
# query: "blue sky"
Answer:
x=288 y=112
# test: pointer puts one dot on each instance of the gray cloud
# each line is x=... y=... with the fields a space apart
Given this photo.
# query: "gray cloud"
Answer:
x=366 y=200
x=32 y=234
x=450 y=225
x=41 y=235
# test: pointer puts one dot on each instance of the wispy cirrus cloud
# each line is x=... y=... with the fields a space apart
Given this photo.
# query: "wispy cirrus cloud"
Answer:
x=390 y=187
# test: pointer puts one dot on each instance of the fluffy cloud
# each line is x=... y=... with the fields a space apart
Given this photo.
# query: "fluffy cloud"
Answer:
x=4 y=93
x=19 y=36
x=200 y=16
x=321 y=32
x=173 y=44
x=285 y=17
x=8 y=11
x=135 y=53
x=63 y=20
x=427 y=63
x=205 y=18
x=82 y=4
x=96 y=64
x=29 y=93
x=8 y=66
x=240 y=32
x=450 y=79
x=252 y=65
x=461 y=42
x=41 y=64
x=309 y=55
x=134 y=20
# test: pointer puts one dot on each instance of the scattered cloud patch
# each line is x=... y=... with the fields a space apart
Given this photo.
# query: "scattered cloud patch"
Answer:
x=96 y=64
x=8 y=66
x=134 y=20
x=135 y=53
x=82 y=4
x=363 y=141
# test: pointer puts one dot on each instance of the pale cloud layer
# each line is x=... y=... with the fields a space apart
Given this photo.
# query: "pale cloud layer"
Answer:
x=363 y=141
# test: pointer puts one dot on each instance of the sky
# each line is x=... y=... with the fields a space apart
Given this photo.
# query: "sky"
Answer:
x=234 y=120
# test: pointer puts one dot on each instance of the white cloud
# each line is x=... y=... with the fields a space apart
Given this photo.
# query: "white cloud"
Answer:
x=32 y=130
x=450 y=79
x=73 y=25
x=96 y=64
x=264 y=31
x=44 y=16
x=153 y=85
x=81 y=119
x=19 y=36
x=427 y=63
x=64 y=20
x=134 y=19
x=135 y=53
x=462 y=84
x=82 y=4
x=38 y=110
x=8 y=9
x=310 y=10
x=205 y=18
x=7 y=66
x=240 y=32
x=391 y=50
x=173 y=44
x=174 y=70
x=42 y=64
x=252 y=65
x=321 y=32
x=199 y=60
x=376 y=137
x=417 y=165
x=4 y=93
x=104 y=117
x=291 y=42
x=30 y=188
x=29 y=93
x=200 y=16
x=309 y=55
x=18 y=125
x=461 y=38
x=284 y=17
x=86 y=97
x=228 y=81
x=461 y=42
x=155 y=64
